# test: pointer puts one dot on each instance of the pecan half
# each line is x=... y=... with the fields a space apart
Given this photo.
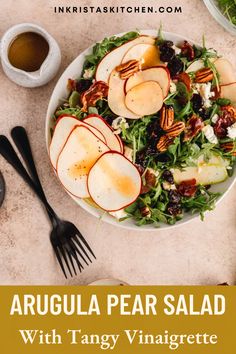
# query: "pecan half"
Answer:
x=185 y=78
x=150 y=181
x=128 y=69
x=176 y=129
x=145 y=212
x=164 y=142
x=204 y=75
x=187 y=51
x=167 y=117
x=96 y=92
x=229 y=147
x=226 y=119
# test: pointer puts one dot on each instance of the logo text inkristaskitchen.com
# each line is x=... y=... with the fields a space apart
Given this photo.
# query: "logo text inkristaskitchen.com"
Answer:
x=117 y=9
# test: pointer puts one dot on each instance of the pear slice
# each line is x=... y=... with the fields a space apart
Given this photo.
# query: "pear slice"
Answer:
x=145 y=98
x=114 y=182
x=112 y=140
x=78 y=155
x=63 y=128
x=206 y=173
x=157 y=73
x=114 y=58
x=116 y=97
x=147 y=54
x=229 y=91
x=226 y=71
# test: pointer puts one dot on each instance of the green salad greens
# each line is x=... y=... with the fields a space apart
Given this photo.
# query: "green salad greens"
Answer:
x=177 y=177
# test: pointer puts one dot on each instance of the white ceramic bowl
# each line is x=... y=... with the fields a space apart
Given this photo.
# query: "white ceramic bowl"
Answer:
x=60 y=91
x=215 y=11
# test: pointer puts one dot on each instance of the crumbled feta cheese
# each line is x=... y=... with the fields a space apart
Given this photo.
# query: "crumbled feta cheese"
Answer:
x=166 y=186
x=209 y=134
x=88 y=73
x=119 y=214
x=205 y=92
x=215 y=118
x=128 y=152
x=118 y=123
x=231 y=131
x=173 y=87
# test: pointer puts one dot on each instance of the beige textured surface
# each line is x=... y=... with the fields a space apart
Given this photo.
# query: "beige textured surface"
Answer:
x=199 y=253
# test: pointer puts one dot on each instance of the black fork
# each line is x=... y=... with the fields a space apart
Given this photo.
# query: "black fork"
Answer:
x=69 y=245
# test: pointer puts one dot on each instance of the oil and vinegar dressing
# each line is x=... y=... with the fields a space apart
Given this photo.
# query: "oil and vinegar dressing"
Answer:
x=28 y=51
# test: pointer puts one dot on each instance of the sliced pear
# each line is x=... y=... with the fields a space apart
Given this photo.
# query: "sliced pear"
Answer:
x=78 y=155
x=195 y=66
x=145 y=98
x=229 y=91
x=114 y=58
x=114 y=182
x=159 y=74
x=212 y=172
x=116 y=97
x=147 y=54
x=112 y=140
x=63 y=128
x=226 y=71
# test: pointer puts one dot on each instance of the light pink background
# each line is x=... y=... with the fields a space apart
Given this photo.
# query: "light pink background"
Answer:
x=199 y=253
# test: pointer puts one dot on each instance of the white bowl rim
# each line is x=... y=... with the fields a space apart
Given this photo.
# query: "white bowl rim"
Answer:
x=129 y=223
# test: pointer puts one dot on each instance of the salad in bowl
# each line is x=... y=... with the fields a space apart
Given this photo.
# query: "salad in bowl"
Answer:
x=146 y=132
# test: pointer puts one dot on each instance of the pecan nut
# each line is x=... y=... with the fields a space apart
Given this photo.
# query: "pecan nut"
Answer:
x=167 y=117
x=96 y=92
x=229 y=147
x=176 y=129
x=128 y=69
x=204 y=75
x=164 y=142
x=145 y=212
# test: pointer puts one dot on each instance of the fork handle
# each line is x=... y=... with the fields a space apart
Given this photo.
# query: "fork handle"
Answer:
x=20 y=138
x=7 y=151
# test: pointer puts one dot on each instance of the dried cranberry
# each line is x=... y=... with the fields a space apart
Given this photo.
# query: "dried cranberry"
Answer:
x=187 y=51
x=225 y=120
x=108 y=119
x=167 y=54
x=188 y=188
x=175 y=66
x=163 y=158
x=83 y=85
x=168 y=176
x=203 y=113
x=174 y=209
x=193 y=126
x=197 y=102
x=174 y=196
x=165 y=44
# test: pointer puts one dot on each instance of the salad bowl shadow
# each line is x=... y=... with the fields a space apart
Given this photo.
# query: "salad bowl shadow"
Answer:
x=60 y=91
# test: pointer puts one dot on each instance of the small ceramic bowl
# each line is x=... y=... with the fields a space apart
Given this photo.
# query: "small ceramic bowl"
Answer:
x=49 y=67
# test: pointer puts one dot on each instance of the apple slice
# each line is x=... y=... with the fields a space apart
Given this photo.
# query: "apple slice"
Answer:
x=158 y=73
x=114 y=58
x=116 y=97
x=145 y=98
x=78 y=155
x=114 y=182
x=112 y=140
x=62 y=130
x=229 y=91
x=147 y=54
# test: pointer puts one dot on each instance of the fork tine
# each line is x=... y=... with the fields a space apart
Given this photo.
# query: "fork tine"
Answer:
x=78 y=251
x=74 y=254
x=72 y=263
x=59 y=260
x=78 y=233
x=65 y=258
x=75 y=238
